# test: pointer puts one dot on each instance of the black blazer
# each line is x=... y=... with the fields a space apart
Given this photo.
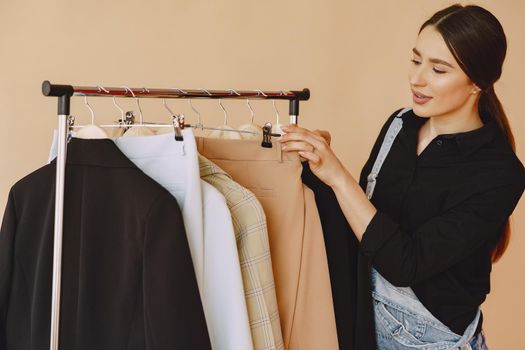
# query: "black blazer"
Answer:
x=128 y=280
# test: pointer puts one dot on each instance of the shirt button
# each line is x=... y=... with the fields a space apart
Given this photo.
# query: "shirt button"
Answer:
x=439 y=142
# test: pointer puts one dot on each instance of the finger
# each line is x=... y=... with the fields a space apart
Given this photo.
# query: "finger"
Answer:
x=297 y=146
x=293 y=136
x=321 y=135
x=310 y=156
x=315 y=140
x=293 y=128
x=300 y=134
x=288 y=129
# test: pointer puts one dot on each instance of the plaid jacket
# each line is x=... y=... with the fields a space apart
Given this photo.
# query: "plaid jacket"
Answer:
x=249 y=224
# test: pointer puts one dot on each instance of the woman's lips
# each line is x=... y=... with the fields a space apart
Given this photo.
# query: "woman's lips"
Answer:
x=420 y=98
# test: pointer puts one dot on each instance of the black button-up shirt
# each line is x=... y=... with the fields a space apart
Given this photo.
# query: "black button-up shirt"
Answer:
x=440 y=214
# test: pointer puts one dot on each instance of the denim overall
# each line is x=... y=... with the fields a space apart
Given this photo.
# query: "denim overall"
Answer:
x=402 y=321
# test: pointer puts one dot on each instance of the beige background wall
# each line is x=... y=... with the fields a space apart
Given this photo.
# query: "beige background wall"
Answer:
x=353 y=55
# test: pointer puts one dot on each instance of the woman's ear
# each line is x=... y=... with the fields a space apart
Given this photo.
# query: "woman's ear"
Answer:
x=475 y=89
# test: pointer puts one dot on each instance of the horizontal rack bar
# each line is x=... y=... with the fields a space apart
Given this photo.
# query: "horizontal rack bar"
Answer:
x=49 y=89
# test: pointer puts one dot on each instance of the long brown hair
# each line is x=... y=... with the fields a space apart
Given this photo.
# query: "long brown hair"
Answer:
x=477 y=41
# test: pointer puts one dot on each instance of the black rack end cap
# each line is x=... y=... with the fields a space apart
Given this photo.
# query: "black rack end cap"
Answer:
x=303 y=95
x=49 y=89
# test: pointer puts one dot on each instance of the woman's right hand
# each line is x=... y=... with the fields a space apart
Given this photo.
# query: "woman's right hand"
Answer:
x=314 y=146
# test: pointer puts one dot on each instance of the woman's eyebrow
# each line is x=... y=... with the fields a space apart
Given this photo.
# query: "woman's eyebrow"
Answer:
x=433 y=60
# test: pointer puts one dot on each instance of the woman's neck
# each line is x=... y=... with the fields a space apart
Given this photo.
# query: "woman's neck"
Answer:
x=451 y=123
x=461 y=120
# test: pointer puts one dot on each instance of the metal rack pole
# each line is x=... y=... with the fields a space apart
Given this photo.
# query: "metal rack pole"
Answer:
x=294 y=111
x=64 y=94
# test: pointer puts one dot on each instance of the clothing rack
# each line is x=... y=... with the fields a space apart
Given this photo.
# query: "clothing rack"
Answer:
x=64 y=94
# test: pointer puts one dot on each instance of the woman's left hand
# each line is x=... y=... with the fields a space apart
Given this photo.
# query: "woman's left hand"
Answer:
x=314 y=146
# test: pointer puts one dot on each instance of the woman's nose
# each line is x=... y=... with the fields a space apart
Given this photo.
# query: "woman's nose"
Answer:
x=416 y=76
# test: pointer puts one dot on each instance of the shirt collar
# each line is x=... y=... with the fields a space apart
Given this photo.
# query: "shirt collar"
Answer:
x=468 y=142
x=98 y=152
x=207 y=167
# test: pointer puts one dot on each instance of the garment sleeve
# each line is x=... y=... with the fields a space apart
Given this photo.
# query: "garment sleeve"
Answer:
x=223 y=284
x=173 y=311
x=405 y=258
x=7 y=238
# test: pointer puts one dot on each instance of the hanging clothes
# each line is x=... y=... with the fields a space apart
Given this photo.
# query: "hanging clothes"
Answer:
x=223 y=133
x=174 y=165
x=120 y=230
x=296 y=241
x=342 y=252
x=249 y=225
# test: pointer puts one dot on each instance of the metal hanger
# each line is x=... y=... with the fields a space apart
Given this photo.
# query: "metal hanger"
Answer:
x=90 y=131
x=90 y=110
x=277 y=125
x=128 y=119
x=140 y=129
x=251 y=109
x=254 y=129
x=267 y=128
x=141 y=117
x=224 y=131
x=178 y=122
x=224 y=111
x=122 y=118
x=199 y=123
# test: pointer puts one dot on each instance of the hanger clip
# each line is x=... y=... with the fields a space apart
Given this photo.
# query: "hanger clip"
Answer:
x=128 y=121
x=70 y=124
x=182 y=122
x=178 y=125
x=267 y=135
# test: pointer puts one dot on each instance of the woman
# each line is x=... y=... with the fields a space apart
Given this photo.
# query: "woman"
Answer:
x=439 y=213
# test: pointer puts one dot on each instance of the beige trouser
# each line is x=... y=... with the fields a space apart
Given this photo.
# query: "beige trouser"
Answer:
x=299 y=260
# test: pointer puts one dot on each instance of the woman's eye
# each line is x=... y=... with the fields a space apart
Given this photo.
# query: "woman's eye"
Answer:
x=416 y=62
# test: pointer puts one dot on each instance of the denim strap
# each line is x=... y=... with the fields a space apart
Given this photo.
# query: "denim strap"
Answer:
x=390 y=136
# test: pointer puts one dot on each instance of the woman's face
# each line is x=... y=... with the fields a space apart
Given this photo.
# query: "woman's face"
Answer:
x=439 y=85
